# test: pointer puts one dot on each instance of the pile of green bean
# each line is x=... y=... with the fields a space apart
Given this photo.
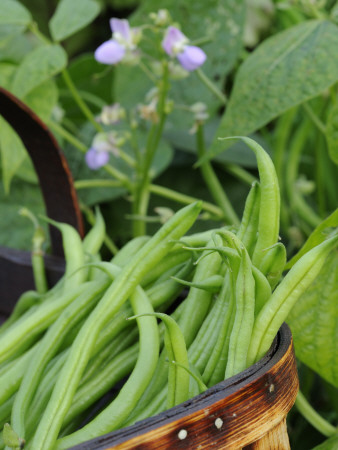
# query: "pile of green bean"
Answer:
x=108 y=322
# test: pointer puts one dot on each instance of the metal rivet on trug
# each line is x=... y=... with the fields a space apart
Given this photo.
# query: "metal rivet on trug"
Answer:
x=218 y=423
x=182 y=434
x=271 y=388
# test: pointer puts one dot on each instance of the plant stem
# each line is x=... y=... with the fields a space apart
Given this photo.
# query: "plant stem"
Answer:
x=81 y=104
x=211 y=86
x=141 y=189
x=185 y=199
x=240 y=173
x=88 y=184
x=317 y=421
x=65 y=134
x=315 y=119
x=83 y=148
x=213 y=183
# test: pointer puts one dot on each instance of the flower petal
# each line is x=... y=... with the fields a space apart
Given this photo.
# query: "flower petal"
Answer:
x=191 y=58
x=110 y=52
x=173 y=39
x=120 y=26
x=95 y=159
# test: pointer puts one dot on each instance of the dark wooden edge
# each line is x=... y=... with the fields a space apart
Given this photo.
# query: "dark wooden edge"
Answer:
x=246 y=404
x=50 y=164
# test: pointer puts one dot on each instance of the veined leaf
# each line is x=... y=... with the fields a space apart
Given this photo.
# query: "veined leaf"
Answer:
x=284 y=71
x=38 y=66
x=12 y=153
x=71 y=16
x=321 y=232
x=12 y=12
x=314 y=322
x=332 y=133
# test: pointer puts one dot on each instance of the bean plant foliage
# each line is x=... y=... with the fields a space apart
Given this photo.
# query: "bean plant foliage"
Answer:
x=142 y=97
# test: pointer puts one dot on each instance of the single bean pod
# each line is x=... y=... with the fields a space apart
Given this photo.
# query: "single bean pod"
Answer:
x=273 y=263
x=248 y=229
x=94 y=239
x=244 y=318
x=269 y=208
x=74 y=254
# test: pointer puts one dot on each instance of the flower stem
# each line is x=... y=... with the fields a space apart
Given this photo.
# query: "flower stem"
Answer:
x=81 y=104
x=211 y=86
x=240 y=173
x=88 y=184
x=141 y=189
x=123 y=179
x=184 y=199
x=213 y=183
x=314 y=118
x=311 y=415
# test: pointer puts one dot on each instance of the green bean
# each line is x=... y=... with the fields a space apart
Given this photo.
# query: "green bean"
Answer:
x=24 y=303
x=12 y=377
x=5 y=411
x=262 y=289
x=74 y=254
x=268 y=222
x=276 y=310
x=178 y=378
x=124 y=284
x=248 y=229
x=273 y=263
x=19 y=335
x=115 y=370
x=94 y=239
x=128 y=250
x=110 y=418
x=211 y=284
x=244 y=318
x=218 y=355
x=47 y=348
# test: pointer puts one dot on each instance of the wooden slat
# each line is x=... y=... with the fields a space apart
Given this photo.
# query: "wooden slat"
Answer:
x=50 y=164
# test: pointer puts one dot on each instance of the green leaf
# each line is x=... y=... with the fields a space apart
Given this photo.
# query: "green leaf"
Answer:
x=14 y=230
x=8 y=31
x=12 y=12
x=38 y=66
x=12 y=153
x=71 y=16
x=321 y=232
x=332 y=133
x=6 y=73
x=43 y=99
x=314 y=322
x=16 y=48
x=329 y=444
x=94 y=83
x=285 y=70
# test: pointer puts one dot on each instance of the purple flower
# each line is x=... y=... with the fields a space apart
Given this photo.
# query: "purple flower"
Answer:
x=103 y=144
x=175 y=43
x=122 y=44
x=96 y=158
